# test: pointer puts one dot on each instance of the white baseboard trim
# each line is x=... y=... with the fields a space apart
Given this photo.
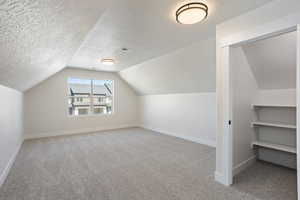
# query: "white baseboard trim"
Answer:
x=9 y=164
x=219 y=178
x=76 y=132
x=244 y=165
x=237 y=169
x=192 y=139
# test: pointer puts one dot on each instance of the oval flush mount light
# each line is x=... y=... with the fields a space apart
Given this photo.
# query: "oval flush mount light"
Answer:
x=191 y=13
x=108 y=61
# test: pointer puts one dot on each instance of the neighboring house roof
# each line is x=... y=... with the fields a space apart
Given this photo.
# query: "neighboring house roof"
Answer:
x=104 y=90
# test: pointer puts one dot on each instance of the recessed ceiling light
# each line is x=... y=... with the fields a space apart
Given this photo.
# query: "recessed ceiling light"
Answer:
x=124 y=49
x=191 y=13
x=108 y=61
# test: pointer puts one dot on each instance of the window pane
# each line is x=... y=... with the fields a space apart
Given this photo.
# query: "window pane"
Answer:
x=83 y=111
x=100 y=110
x=101 y=101
x=102 y=104
x=79 y=105
x=79 y=91
x=103 y=96
x=79 y=87
x=102 y=87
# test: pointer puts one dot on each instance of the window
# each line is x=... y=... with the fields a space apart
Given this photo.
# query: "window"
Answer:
x=88 y=96
x=79 y=99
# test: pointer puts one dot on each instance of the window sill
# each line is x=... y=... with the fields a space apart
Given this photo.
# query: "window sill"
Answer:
x=91 y=115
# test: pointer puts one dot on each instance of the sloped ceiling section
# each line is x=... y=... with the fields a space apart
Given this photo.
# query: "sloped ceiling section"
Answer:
x=148 y=29
x=188 y=70
x=38 y=37
x=273 y=61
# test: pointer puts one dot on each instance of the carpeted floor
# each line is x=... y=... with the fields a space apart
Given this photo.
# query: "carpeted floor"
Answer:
x=132 y=164
x=268 y=181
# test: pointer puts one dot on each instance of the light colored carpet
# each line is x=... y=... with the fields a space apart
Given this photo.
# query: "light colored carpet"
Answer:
x=127 y=164
x=268 y=181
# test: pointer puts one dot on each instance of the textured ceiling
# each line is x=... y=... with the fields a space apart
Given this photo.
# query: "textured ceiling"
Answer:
x=38 y=37
x=273 y=61
x=148 y=29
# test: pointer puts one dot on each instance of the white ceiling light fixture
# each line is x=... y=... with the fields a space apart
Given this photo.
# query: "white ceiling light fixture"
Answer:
x=192 y=13
x=108 y=61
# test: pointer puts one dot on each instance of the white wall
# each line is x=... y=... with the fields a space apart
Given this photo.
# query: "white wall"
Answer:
x=244 y=91
x=180 y=92
x=188 y=70
x=281 y=97
x=46 y=106
x=188 y=116
x=11 y=128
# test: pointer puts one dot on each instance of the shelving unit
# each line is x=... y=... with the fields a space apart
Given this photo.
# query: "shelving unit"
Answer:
x=275 y=142
x=277 y=125
x=257 y=106
x=278 y=147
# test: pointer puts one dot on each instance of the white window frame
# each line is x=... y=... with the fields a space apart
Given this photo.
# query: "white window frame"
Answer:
x=91 y=96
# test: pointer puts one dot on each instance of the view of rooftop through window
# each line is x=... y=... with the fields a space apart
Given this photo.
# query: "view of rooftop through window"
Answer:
x=88 y=96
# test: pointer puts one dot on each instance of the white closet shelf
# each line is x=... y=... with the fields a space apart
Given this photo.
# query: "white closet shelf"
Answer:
x=278 y=147
x=272 y=106
x=267 y=124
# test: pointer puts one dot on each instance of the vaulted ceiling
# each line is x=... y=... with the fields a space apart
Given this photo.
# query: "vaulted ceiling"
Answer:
x=148 y=29
x=40 y=37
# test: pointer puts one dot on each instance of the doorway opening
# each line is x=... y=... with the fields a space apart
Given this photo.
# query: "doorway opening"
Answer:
x=263 y=84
